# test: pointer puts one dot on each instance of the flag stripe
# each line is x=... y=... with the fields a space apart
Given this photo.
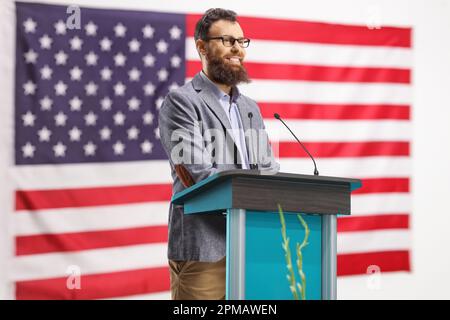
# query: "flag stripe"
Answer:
x=379 y=203
x=85 y=197
x=352 y=264
x=277 y=71
x=334 y=111
x=317 y=32
x=45 y=243
x=373 y=241
x=382 y=185
x=344 y=149
x=375 y=222
x=302 y=53
x=97 y=286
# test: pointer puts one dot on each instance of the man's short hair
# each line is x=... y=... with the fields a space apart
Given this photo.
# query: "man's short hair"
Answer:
x=209 y=17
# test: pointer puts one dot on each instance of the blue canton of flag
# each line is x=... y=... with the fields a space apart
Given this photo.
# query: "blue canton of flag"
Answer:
x=92 y=94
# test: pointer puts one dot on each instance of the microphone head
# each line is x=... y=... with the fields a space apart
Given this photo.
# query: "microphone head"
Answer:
x=276 y=115
x=250 y=115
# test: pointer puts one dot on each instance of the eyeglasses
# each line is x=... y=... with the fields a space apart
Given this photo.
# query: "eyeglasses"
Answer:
x=228 y=41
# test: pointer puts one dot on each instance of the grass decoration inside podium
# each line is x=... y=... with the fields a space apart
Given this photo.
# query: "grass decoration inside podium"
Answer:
x=298 y=289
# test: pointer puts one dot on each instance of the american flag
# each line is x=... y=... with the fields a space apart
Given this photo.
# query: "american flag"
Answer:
x=90 y=179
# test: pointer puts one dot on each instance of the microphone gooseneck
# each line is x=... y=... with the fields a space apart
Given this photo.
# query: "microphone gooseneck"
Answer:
x=252 y=165
x=277 y=116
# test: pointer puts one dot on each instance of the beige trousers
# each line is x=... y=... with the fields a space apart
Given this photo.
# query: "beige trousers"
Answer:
x=195 y=280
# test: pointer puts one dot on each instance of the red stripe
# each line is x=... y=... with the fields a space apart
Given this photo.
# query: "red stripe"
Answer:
x=44 y=243
x=379 y=185
x=85 y=197
x=334 y=111
x=376 y=222
x=292 y=149
x=277 y=71
x=315 y=32
x=358 y=263
x=97 y=286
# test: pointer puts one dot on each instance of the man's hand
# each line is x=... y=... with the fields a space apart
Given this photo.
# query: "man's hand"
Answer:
x=184 y=175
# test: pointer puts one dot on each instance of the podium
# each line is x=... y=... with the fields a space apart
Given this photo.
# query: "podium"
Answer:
x=257 y=264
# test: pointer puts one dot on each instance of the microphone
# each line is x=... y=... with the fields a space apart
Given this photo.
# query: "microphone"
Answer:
x=252 y=165
x=277 y=116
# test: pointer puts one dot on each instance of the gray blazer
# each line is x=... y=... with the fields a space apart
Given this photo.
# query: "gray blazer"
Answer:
x=194 y=108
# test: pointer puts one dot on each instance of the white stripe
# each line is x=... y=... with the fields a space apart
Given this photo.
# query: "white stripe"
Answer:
x=91 y=219
x=287 y=52
x=380 y=203
x=52 y=265
x=339 y=130
x=364 y=167
x=373 y=241
x=164 y=295
x=90 y=175
x=326 y=92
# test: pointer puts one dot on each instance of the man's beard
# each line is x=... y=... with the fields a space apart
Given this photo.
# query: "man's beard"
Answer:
x=219 y=71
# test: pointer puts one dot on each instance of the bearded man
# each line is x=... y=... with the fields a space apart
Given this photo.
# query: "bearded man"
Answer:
x=211 y=102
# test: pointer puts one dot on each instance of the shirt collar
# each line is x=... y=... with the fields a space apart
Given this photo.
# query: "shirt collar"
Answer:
x=219 y=93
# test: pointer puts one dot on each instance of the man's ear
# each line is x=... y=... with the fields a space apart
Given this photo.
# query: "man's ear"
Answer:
x=201 y=47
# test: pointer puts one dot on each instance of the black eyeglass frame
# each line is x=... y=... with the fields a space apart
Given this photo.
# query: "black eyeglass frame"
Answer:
x=231 y=40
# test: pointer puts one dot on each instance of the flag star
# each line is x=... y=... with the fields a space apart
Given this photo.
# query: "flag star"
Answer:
x=134 y=103
x=119 y=59
x=148 y=118
x=175 y=61
x=105 y=133
x=106 y=73
x=59 y=149
x=44 y=134
x=76 y=73
x=148 y=31
x=60 y=119
x=45 y=41
x=175 y=33
x=157 y=133
x=46 y=103
x=89 y=149
x=75 y=134
x=60 y=27
x=133 y=133
x=30 y=56
x=149 y=60
x=76 y=43
x=163 y=74
x=119 y=119
x=173 y=86
x=134 y=74
x=91 y=89
x=29 y=87
x=29 y=25
x=149 y=89
x=118 y=147
x=61 y=58
x=91 y=59
x=120 y=30
x=75 y=104
x=90 y=119
x=159 y=102
x=46 y=72
x=91 y=29
x=146 y=146
x=106 y=103
x=105 y=44
x=119 y=89
x=162 y=46
x=134 y=45
x=28 y=119
x=28 y=150
x=60 y=88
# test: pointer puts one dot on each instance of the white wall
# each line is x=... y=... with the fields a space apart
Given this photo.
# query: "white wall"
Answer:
x=431 y=123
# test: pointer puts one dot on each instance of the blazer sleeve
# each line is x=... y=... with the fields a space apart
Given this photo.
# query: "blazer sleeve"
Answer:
x=181 y=136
